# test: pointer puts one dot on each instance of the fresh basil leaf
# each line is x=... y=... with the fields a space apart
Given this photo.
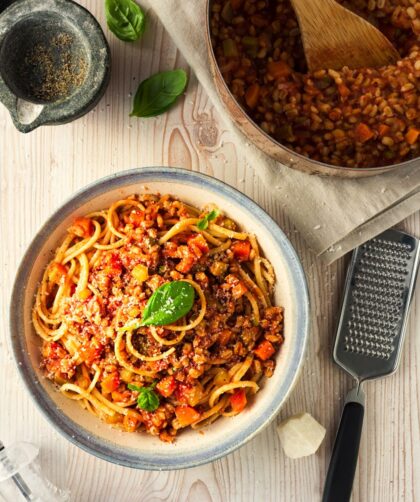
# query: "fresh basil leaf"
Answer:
x=204 y=222
x=168 y=303
x=158 y=93
x=148 y=400
x=125 y=19
x=134 y=387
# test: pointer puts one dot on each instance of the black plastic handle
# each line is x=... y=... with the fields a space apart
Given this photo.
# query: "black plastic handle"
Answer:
x=339 y=482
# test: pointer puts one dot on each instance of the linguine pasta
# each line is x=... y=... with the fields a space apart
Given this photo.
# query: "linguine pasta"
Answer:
x=158 y=378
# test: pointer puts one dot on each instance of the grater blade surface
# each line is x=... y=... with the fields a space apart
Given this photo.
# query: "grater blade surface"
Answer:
x=378 y=291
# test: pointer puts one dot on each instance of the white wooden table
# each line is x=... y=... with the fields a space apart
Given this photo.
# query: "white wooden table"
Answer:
x=38 y=171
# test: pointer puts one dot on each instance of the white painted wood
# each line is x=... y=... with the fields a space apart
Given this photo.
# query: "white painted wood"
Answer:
x=40 y=170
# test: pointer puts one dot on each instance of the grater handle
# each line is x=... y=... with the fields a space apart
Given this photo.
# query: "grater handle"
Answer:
x=339 y=482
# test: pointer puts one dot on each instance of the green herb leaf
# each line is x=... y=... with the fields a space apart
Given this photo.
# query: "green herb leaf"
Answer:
x=168 y=303
x=147 y=399
x=204 y=222
x=158 y=93
x=125 y=19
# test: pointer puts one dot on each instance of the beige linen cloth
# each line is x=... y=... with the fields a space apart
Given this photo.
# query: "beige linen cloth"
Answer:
x=333 y=215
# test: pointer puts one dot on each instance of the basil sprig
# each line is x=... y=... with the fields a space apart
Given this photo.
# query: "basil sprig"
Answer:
x=205 y=220
x=125 y=19
x=169 y=302
x=147 y=399
x=158 y=93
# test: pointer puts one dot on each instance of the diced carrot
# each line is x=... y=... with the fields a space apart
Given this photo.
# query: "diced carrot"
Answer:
x=166 y=386
x=225 y=336
x=241 y=250
x=264 y=350
x=84 y=294
x=82 y=227
x=343 y=90
x=198 y=245
x=110 y=383
x=363 y=132
x=412 y=135
x=131 y=422
x=383 y=130
x=238 y=400
x=56 y=271
x=184 y=266
x=252 y=94
x=186 y=415
x=278 y=69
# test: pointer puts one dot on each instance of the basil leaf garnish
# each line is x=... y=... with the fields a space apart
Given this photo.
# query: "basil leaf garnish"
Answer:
x=158 y=93
x=169 y=302
x=147 y=399
x=204 y=222
x=125 y=19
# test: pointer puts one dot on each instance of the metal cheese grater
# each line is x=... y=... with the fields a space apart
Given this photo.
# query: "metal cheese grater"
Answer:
x=379 y=287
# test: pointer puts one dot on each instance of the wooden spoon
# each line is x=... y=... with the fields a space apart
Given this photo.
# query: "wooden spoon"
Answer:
x=334 y=37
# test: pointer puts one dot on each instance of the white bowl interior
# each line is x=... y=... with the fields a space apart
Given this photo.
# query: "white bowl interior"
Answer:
x=188 y=442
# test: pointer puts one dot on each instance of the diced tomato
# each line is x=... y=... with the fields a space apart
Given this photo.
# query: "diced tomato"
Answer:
x=136 y=217
x=252 y=95
x=241 y=250
x=343 y=90
x=110 y=383
x=113 y=265
x=166 y=386
x=412 y=135
x=265 y=350
x=278 y=69
x=56 y=271
x=186 y=415
x=363 y=133
x=238 y=400
x=187 y=261
x=82 y=227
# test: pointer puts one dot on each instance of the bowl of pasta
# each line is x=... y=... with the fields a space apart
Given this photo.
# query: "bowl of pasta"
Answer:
x=159 y=318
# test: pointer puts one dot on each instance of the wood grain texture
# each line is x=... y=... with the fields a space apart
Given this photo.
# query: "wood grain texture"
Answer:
x=39 y=171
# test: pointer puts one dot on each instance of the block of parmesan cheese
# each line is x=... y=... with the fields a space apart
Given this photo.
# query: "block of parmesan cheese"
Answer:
x=300 y=435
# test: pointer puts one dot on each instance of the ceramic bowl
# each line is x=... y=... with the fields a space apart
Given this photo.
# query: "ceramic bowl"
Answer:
x=140 y=450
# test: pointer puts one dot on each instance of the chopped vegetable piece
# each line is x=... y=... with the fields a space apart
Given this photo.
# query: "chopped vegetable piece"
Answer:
x=238 y=400
x=241 y=250
x=300 y=435
x=264 y=350
x=363 y=133
x=227 y=12
x=166 y=386
x=412 y=135
x=383 y=130
x=252 y=94
x=186 y=415
x=343 y=90
x=110 y=383
x=131 y=422
x=82 y=227
x=278 y=69
x=229 y=48
x=206 y=219
x=140 y=273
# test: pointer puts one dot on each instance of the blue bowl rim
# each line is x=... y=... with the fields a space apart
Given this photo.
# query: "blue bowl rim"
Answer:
x=84 y=439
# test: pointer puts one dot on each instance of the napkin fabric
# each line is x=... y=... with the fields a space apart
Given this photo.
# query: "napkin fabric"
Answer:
x=334 y=215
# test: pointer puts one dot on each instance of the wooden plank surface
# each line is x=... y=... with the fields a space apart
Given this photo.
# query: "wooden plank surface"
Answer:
x=40 y=170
